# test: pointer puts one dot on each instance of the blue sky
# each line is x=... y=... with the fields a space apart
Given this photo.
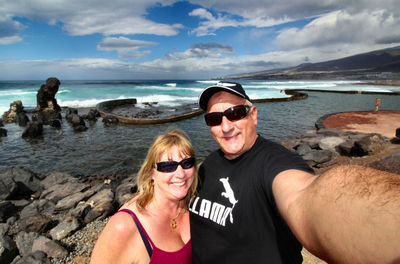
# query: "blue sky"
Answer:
x=197 y=39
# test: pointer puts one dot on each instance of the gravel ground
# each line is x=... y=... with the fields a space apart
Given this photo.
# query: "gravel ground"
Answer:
x=82 y=242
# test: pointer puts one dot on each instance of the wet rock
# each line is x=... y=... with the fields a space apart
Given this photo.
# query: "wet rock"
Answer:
x=47 y=105
x=92 y=115
x=21 y=119
x=109 y=120
x=76 y=120
x=1 y=122
x=69 y=112
x=16 y=114
x=46 y=95
x=15 y=108
x=34 y=129
x=3 y=132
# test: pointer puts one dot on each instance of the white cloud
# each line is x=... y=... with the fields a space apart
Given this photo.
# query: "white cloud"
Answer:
x=202 y=50
x=210 y=24
x=89 y=17
x=10 y=40
x=343 y=28
x=126 y=48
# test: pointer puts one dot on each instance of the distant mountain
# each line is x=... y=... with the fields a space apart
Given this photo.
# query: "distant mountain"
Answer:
x=377 y=65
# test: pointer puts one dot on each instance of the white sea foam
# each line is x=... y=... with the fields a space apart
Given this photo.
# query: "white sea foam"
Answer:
x=16 y=92
x=209 y=81
x=171 y=84
x=80 y=103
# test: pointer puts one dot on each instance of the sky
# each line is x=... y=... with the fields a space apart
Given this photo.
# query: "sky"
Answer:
x=196 y=39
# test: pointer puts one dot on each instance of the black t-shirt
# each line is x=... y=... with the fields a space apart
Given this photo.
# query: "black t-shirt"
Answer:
x=234 y=218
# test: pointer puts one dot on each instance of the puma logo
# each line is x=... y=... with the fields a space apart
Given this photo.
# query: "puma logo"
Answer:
x=228 y=194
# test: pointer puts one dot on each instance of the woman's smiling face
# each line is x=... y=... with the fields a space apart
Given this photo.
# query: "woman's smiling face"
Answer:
x=173 y=185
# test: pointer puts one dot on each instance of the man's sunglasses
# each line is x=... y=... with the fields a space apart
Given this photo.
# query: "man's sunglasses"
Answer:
x=170 y=166
x=233 y=114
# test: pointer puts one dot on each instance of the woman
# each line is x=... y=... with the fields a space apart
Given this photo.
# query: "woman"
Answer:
x=153 y=227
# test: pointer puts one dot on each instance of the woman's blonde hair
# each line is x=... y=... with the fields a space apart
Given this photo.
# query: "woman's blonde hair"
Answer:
x=173 y=138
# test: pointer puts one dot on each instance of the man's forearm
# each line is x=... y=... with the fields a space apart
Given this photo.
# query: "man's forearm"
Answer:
x=351 y=215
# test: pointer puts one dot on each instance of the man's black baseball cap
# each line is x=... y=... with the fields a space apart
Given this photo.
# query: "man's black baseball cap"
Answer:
x=230 y=87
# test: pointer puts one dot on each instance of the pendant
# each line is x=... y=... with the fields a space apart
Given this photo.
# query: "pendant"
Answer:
x=173 y=223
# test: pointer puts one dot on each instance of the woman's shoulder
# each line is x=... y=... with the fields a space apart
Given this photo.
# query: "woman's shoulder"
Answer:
x=121 y=224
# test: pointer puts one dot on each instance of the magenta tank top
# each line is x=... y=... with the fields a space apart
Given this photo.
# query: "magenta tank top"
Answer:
x=157 y=255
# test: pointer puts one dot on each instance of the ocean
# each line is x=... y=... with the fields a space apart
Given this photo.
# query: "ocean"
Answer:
x=120 y=149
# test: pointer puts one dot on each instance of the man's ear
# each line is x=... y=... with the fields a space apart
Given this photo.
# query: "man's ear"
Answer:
x=253 y=114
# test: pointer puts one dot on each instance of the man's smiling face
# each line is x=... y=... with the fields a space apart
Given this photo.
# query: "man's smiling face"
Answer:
x=234 y=137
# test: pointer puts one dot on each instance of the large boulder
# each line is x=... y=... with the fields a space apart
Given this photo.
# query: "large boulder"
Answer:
x=62 y=191
x=16 y=114
x=36 y=223
x=46 y=95
x=390 y=163
x=50 y=247
x=65 y=228
x=42 y=206
x=92 y=115
x=369 y=144
x=125 y=191
x=8 y=249
x=3 y=132
x=102 y=205
x=34 y=130
x=24 y=241
x=47 y=105
x=7 y=209
x=17 y=182
x=37 y=257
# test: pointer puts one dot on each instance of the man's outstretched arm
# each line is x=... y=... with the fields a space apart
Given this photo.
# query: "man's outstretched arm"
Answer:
x=349 y=214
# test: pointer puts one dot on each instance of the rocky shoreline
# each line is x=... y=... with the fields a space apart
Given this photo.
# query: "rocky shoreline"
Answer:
x=56 y=218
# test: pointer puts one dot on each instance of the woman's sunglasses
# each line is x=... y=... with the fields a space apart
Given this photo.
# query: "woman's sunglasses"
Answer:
x=170 y=166
x=233 y=114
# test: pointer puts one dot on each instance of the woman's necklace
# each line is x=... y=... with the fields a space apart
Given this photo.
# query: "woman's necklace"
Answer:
x=173 y=223
x=173 y=220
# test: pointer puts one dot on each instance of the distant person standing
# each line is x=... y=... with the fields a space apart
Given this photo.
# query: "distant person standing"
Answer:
x=378 y=103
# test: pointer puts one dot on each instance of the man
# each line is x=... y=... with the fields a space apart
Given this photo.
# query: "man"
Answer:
x=256 y=199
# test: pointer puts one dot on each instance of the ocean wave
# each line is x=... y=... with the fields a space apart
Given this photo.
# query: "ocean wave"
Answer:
x=171 y=84
x=209 y=81
x=16 y=92
x=166 y=99
x=80 y=103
